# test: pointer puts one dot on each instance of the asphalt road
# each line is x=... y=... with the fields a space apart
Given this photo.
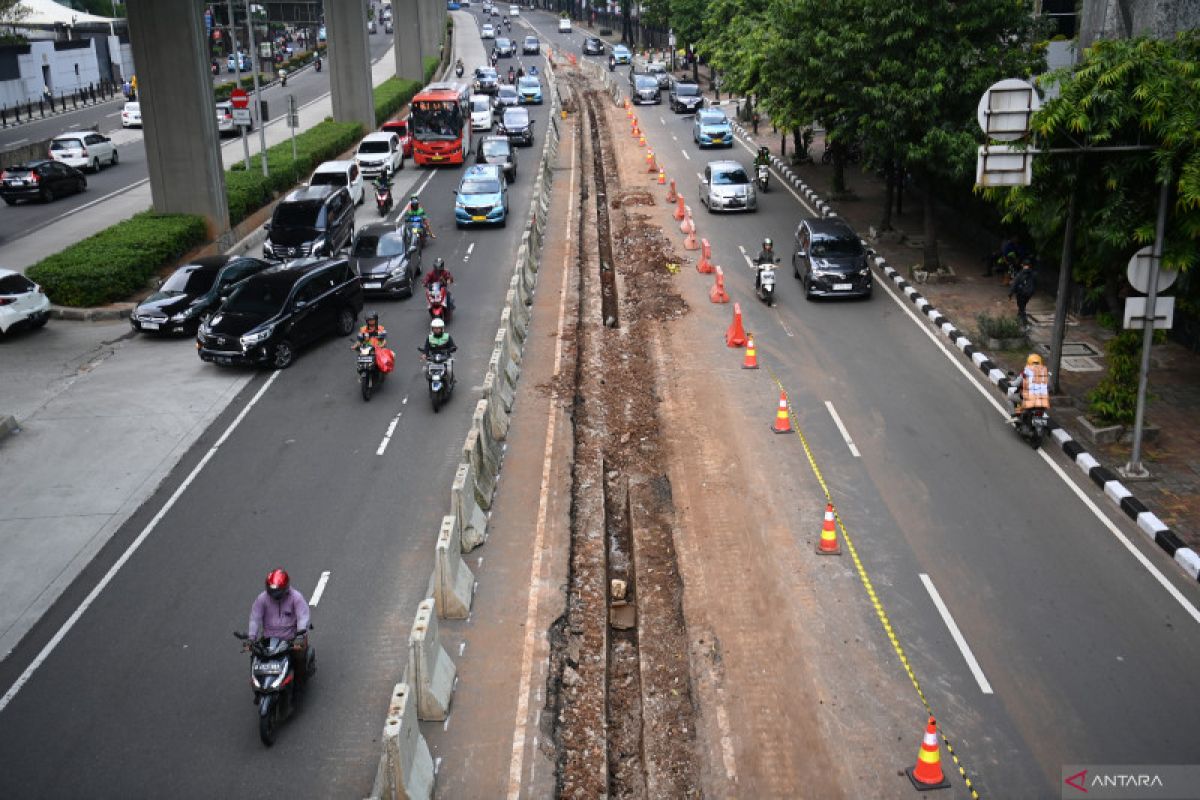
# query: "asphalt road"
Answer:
x=147 y=695
x=1085 y=653
x=24 y=219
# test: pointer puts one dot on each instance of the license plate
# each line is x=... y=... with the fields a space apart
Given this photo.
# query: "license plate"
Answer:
x=14 y=182
x=478 y=219
x=150 y=326
x=437 y=158
x=223 y=359
x=843 y=287
x=372 y=285
x=366 y=359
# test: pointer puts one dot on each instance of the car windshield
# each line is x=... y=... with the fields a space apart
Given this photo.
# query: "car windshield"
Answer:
x=687 y=89
x=436 y=120
x=730 y=177
x=391 y=244
x=304 y=214
x=376 y=146
x=712 y=118
x=256 y=299
x=480 y=186
x=645 y=82
x=481 y=104
x=329 y=179
x=529 y=83
x=365 y=245
x=133 y=106
x=187 y=280
x=655 y=69
x=66 y=144
x=508 y=91
x=502 y=43
x=531 y=41
x=495 y=147
x=15 y=284
x=839 y=246
x=516 y=118
x=486 y=73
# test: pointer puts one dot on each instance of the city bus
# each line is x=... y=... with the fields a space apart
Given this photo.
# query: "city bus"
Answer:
x=440 y=123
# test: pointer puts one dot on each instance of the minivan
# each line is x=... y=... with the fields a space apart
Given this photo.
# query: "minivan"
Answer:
x=830 y=260
x=340 y=173
x=312 y=221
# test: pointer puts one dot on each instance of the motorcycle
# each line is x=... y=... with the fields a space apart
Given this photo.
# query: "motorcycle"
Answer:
x=439 y=374
x=383 y=199
x=373 y=364
x=435 y=300
x=317 y=63
x=1032 y=424
x=458 y=70
x=416 y=232
x=764 y=175
x=764 y=284
x=272 y=676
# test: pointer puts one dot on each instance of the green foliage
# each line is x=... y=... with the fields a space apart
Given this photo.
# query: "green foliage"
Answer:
x=119 y=260
x=1001 y=327
x=1114 y=400
x=392 y=95
x=222 y=91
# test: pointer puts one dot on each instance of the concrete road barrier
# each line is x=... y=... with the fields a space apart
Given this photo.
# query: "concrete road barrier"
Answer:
x=504 y=390
x=484 y=466
x=406 y=767
x=453 y=581
x=430 y=671
x=469 y=519
x=520 y=312
x=497 y=419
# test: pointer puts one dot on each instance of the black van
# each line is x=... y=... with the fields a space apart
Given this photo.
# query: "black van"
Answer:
x=271 y=315
x=312 y=221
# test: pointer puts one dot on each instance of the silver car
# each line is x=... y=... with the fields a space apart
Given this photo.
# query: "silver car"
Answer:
x=726 y=186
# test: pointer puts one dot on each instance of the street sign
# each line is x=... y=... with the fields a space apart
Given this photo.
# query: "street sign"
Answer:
x=239 y=98
x=1135 y=313
x=1140 y=266
x=241 y=116
x=1003 y=165
x=1005 y=109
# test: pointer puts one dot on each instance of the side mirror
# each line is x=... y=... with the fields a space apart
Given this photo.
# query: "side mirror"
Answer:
x=267 y=227
x=412 y=250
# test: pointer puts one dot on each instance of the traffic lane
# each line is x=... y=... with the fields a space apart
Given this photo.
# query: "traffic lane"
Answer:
x=265 y=477
x=825 y=333
x=103 y=116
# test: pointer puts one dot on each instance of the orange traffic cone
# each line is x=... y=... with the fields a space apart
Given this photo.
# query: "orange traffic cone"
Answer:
x=671 y=194
x=627 y=106
x=662 y=177
x=717 y=293
x=679 y=209
x=641 y=140
x=735 y=335
x=927 y=774
x=705 y=264
x=828 y=544
x=690 y=242
x=783 y=420
x=651 y=164
x=751 y=360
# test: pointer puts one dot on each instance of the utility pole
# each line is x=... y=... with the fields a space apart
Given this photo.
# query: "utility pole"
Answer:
x=262 y=123
x=237 y=74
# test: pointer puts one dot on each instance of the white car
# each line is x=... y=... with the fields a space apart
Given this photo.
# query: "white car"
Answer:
x=22 y=302
x=564 y=25
x=488 y=31
x=379 y=152
x=481 y=112
x=131 y=115
x=85 y=150
x=340 y=173
x=514 y=11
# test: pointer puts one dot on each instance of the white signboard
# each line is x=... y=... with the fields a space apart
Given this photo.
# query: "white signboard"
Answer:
x=1003 y=165
x=241 y=116
x=1005 y=109
x=1140 y=266
x=1135 y=313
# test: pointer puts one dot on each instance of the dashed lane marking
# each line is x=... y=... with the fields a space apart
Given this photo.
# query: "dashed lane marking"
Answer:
x=685 y=154
x=959 y=639
x=842 y=428
x=391 y=428
x=320 y=590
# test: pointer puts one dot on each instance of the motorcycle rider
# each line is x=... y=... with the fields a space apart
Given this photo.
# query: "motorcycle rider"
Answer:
x=762 y=158
x=1034 y=385
x=440 y=342
x=282 y=76
x=512 y=74
x=458 y=68
x=383 y=182
x=766 y=256
x=282 y=612
x=417 y=212
x=373 y=332
x=317 y=63
x=439 y=274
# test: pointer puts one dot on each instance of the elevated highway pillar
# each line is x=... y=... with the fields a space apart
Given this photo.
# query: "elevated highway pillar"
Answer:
x=180 y=127
x=350 y=61
x=427 y=14
x=408 y=41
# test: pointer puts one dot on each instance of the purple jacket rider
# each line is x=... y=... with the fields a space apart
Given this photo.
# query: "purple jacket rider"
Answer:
x=281 y=618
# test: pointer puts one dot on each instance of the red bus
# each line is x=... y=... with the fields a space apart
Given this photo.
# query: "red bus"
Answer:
x=440 y=124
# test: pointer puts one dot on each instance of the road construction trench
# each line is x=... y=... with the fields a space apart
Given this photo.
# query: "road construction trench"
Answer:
x=625 y=724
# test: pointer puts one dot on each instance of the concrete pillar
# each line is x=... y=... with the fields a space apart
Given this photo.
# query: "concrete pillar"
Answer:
x=427 y=14
x=180 y=128
x=350 y=62
x=406 y=29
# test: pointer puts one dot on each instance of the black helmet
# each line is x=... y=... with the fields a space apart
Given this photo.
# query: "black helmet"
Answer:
x=415 y=202
x=372 y=316
x=438 y=265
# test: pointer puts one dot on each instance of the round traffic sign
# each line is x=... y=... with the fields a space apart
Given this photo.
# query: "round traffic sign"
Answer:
x=1005 y=108
x=239 y=98
x=1139 y=269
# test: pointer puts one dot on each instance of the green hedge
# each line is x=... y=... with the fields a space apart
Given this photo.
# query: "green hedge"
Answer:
x=222 y=91
x=118 y=261
x=249 y=190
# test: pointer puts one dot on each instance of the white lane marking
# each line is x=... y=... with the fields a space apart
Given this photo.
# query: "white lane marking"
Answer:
x=531 y=612
x=845 y=433
x=685 y=155
x=1141 y=558
x=391 y=428
x=470 y=249
x=129 y=551
x=963 y=647
x=114 y=114
x=673 y=136
x=663 y=121
x=425 y=182
x=783 y=183
x=320 y=590
x=726 y=742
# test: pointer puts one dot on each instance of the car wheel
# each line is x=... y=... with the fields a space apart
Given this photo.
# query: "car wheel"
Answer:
x=96 y=164
x=345 y=322
x=45 y=195
x=795 y=268
x=283 y=355
x=82 y=186
x=115 y=158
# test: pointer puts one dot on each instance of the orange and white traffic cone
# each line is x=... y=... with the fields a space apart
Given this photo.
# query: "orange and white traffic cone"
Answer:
x=751 y=360
x=680 y=212
x=705 y=264
x=927 y=774
x=641 y=140
x=735 y=335
x=662 y=177
x=717 y=293
x=671 y=193
x=828 y=544
x=783 y=420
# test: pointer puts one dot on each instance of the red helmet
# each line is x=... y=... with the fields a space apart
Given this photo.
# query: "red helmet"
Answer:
x=277 y=583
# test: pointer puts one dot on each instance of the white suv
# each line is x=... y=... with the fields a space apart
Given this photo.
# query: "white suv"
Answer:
x=564 y=25
x=131 y=115
x=340 y=173
x=379 y=152
x=85 y=150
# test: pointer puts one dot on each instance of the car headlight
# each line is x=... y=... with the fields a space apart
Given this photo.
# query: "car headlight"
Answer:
x=823 y=273
x=318 y=245
x=459 y=204
x=186 y=314
x=257 y=337
x=398 y=272
x=864 y=272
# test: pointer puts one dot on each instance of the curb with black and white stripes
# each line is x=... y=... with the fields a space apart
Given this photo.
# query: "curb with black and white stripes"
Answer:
x=1147 y=521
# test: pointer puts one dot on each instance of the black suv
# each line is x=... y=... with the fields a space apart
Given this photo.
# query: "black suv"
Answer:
x=313 y=221
x=192 y=293
x=274 y=313
x=593 y=46
x=517 y=125
x=685 y=96
x=831 y=260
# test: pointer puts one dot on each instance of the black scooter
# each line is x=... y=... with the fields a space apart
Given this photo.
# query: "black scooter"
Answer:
x=383 y=199
x=439 y=375
x=273 y=679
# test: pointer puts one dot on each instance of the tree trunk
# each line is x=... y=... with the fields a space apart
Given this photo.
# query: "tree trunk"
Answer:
x=839 y=167
x=930 y=255
x=783 y=146
x=900 y=174
x=885 y=223
x=797 y=144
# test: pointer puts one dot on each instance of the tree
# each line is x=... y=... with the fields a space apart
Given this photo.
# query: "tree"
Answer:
x=12 y=12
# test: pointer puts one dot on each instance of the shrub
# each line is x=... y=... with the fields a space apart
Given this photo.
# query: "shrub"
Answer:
x=391 y=95
x=1002 y=327
x=1114 y=400
x=119 y=260
x=222 y=91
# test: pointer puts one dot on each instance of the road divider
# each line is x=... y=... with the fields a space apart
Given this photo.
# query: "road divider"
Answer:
x=735 y=334
x=704 y=265
x=431 y=673
x=405 y=767
x=470 y=520
x=453 y=581
x=717 y=293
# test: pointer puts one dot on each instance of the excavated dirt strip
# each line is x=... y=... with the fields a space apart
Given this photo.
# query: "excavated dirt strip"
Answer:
x=620 y=685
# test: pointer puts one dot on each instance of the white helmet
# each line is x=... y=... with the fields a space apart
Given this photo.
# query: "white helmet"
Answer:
x=438 y=325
